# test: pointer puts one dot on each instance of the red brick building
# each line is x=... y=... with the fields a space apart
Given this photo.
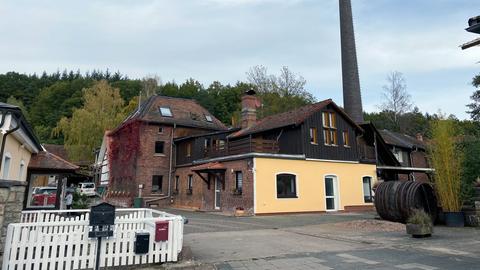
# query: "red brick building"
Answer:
x=139 y=151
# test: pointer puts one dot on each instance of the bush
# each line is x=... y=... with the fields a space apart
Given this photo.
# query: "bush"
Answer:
x=80 y=201
x=420 y=217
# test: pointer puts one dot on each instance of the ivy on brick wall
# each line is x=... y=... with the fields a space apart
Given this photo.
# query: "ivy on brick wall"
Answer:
x=123 y=147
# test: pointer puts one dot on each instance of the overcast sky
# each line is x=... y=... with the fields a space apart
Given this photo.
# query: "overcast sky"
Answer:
x=221 y=39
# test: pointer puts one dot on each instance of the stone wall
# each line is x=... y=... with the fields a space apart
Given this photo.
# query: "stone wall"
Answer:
x=472 y=212
x=12 y=195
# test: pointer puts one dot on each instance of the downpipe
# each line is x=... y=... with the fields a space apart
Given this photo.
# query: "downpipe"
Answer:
x=4 y=137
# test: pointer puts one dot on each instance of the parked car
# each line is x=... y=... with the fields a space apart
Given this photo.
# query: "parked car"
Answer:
x=87 y=188
x=44 y=196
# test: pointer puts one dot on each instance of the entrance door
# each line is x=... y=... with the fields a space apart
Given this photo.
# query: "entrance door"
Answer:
x=218 y=188
x=331 y=193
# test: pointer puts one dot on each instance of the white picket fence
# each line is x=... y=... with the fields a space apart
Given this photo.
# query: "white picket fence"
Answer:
x=59 y=240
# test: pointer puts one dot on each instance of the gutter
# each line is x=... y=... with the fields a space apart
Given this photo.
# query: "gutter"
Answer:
x=412 y=169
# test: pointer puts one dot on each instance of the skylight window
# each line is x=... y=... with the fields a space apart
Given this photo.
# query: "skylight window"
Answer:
x=209 y=118
x=165 y=111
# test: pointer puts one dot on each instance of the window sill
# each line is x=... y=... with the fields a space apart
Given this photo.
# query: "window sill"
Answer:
x=159 y=155
x=287 y=197
x=237 y=193
x=333 y=145
x=347 y=146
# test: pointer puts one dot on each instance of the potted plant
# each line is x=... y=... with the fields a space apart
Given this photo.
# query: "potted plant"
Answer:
x=446 y=158
x=239 y=212
x=419 y=224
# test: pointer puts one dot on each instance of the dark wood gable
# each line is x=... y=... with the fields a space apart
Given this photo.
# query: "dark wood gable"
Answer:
x=329 y=152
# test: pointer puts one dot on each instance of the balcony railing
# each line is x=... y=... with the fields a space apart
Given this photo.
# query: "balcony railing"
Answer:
x=242 y=146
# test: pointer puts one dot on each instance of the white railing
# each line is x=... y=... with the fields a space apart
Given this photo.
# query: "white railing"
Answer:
x=58 y=239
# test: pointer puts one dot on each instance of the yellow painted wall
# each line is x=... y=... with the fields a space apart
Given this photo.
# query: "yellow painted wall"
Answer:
x=310 y=184
x=17 y=153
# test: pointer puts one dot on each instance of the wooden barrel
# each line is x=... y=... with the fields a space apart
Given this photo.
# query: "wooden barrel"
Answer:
x=395 y=200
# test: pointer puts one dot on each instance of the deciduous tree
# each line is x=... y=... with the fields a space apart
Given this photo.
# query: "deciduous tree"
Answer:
x=396 y=99
x=103 y=109
x=279 y=93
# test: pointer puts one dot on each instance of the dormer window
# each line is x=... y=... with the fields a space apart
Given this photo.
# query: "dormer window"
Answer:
x=165 y=111
x=208 y=118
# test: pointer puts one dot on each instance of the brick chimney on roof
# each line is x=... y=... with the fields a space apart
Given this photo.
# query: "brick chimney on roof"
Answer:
x=250 y=103
x=419 y=136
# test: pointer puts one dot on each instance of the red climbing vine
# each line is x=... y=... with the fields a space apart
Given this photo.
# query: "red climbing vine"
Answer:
x=124 y=145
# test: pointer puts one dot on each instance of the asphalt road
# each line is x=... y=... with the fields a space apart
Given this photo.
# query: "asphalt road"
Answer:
x=313 y=241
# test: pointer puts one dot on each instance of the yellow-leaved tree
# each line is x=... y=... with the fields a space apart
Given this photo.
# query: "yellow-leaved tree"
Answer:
x=103 y=109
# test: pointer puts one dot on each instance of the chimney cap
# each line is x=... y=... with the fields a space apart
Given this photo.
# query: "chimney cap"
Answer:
x=250 y=92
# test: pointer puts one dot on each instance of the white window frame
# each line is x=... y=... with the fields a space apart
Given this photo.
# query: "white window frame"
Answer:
x=371 y=191
x=336 y=189
x=208 y=118
x=5 y=166
x=166 y=111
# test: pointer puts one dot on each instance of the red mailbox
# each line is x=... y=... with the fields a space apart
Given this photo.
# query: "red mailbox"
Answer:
x=161 y=231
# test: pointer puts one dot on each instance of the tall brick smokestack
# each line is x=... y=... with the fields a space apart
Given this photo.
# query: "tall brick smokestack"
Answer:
x=352 y=98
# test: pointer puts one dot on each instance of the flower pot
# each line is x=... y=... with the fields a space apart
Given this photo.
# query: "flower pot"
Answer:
x=240 y=213
x=454 y=219
x=419 y=230
x=440 y=217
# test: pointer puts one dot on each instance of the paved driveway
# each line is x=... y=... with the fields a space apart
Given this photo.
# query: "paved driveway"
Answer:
x=203 y=222
x=317 y=241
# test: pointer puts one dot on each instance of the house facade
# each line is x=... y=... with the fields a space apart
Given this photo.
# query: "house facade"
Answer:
x=411 y=154
x=18 y=144
x=138 y=154
x=305 y=160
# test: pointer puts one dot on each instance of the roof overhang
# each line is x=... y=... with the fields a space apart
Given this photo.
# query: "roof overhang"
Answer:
x=24 y=134
x=470 y=44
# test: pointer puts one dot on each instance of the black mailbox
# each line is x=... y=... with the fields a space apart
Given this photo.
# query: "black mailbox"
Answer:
x=142 y=242
x=102 y=215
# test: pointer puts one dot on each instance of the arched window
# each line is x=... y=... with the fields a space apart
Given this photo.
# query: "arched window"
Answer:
x=367 y=189
x=286 y=185
x=6 y=165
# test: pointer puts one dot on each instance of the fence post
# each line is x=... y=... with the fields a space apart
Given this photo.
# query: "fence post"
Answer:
x=8 y=246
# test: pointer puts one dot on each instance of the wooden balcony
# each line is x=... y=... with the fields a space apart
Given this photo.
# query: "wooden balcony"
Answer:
x=242 y=146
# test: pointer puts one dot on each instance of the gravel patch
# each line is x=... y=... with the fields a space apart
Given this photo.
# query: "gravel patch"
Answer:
x=371 y=226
